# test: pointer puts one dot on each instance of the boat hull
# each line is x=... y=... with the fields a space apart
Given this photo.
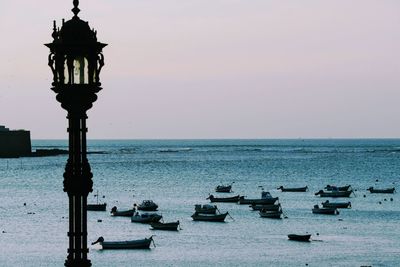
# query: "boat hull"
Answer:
x=224 y=199
x=337 y=188
x=97 y=207
x=336 y=205
x=123 y=213
x=134 y=244
x=272 y=207
x=149 y=219
x=334 y=194
x=327 y=211
x=271 y=214
x=382 y=191
x=172 y=226
x=209 y=218
x=302 y=238
x=298 y=189
x=206 y=209
x=260 y=201
x=223 y=189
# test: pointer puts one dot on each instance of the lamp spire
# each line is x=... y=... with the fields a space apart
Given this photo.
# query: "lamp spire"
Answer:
x=76 y=10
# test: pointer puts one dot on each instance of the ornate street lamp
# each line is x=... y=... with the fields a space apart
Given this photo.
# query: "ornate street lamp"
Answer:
x=76 y=60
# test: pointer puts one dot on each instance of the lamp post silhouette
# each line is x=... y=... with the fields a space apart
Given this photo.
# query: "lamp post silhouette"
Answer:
x=76 y=60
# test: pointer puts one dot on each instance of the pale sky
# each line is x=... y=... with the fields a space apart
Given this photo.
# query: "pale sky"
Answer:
x=213 y=68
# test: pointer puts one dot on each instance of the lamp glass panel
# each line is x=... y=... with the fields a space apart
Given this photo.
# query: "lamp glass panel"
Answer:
x=81 y=71
x=66 y=73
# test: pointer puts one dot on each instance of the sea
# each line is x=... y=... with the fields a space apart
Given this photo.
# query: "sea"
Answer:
x=177 y=174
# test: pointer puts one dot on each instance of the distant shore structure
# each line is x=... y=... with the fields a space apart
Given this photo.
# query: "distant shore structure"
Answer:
x=14 y=143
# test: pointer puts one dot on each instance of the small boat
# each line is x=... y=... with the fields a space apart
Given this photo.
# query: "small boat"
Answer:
x=146 y=217
x=132 y=244
x=271 y=207
x=209 y=217
x=147 y=205
x=334 y=193
x=266 y=199
x=382 y=191
x=171 y=226
x=318 y=210
x=337 y=188
x=224 y=188
x=125 y=213
x=336 y=205
x=98 y=206
x=271 y=214
x=224 y=199
x=294 y=189
x=205 y=209
x=304 y=238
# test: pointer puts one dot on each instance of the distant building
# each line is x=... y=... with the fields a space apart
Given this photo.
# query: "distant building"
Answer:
x=14 y=143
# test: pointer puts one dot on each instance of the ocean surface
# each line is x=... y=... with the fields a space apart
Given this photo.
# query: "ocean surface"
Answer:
x=177 y=174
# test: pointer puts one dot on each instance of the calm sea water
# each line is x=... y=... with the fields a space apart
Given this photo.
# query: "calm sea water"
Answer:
x=179 y=174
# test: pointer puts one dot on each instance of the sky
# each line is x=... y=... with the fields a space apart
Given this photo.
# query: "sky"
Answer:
x=202 y=69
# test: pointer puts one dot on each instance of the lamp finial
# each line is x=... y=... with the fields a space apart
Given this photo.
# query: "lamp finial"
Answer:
x=76 y=10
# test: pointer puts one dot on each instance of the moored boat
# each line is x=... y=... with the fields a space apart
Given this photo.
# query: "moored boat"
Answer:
x=293 y=189
x=337 y=188
x=266 y=199
x=125 y=213
x=303 y=238
x=146 y=217
x=271 y=214
x=330 y=211
x=209 y=217
x=224 y=188
x=334 y=193
x=171 y=226
x=271 y=207
x=131 y=244
x=224 y=199
x=336 y=205
x=381 y=191
x=97 y=207
x=147 y=205
x=205 y=209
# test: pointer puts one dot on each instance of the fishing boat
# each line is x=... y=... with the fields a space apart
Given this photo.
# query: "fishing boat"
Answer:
x=224 y=199
x=381 y=191
x=271 y=207
x=131 y=244
x=224 y=188
x=271 y=214
x=147 y=205
x=330 y=211
x=266 y=199
x=337 y=188
x=171 y=226
x=334 y=193
x=205 y=209
x=125 y=213
x=209 y=217
x=293 y=189
x=336 y=205
x=303 y=238
x=146 y=217
x=98 y=206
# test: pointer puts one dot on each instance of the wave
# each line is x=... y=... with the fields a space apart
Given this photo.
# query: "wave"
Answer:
x=175 y=150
